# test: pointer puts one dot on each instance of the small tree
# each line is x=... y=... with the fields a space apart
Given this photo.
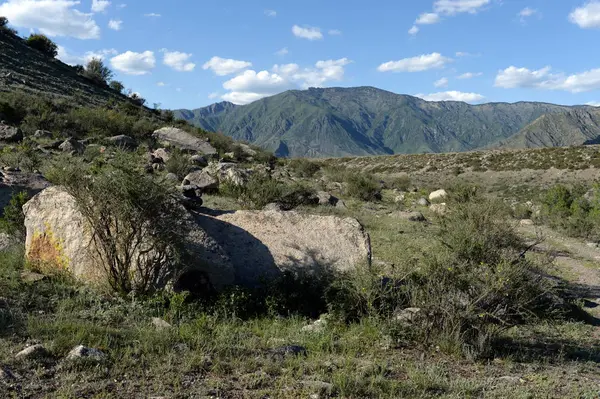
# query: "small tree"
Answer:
x=168 y=115
x=97 y=71
x=3 y=22
x=4 y=26
x=42 y=43
x=117 y=86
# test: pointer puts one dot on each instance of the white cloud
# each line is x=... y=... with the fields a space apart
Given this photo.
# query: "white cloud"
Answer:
x=271 y=13
x=100 y=5
x=178 y=61
x=334 y=32
x=452 y=7
x=51 y=17
x=416 y=64
x=428 y=18
x=526 y=13
x=470 y=75
x=587 y=16
x=72 y=59
x=251 y=85
x=225 y=66
x=466 y=54
x=452 y=96
x=282 y=52
x=513 y=77
x=115 y=24
x=132 y=63
x=414 y=30
x=443 y=82
x=153 y=15
x=593 y=103
x=214 y=95
x=308 y=32
x=161 y=84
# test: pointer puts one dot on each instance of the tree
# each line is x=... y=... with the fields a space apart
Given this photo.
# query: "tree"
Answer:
x=117 y=86
x=3 y=22
x=42 y=43
x=4 y=26
x=97 y=71
x=137 y=99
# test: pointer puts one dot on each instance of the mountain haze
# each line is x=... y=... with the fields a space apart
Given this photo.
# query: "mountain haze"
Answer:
x=367 y=121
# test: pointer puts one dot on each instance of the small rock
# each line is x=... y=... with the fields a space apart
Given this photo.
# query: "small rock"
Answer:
x=526 y=222
x=326 y=199
x=407 y=315
x=320 y=388
x=171 y=177
x=317 y=326
x=273 y=206
x=10 y=134
x=32 y=352
x=440 y=209
x=399 y=198
x=123 y=141
x=161 y=155
x=31 y=277
x=42 y=134
x=202 y=180
x=160 y=324
x=410 y=216
x=423 y=202
x=340 y=204
x=437 y=195
x=82 y=352
x=71 y=145
x=198 y=160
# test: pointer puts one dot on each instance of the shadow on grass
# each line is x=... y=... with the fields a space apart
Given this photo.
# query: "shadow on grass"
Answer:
x=545 y=350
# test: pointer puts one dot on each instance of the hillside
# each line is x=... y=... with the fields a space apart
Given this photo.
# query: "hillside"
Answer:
x=27 y=70
x=574 y=127
x=366 y=121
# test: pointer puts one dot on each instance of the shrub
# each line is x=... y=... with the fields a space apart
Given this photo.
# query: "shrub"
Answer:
x=96 y=71
x=168 y=115
x=363 y=187
x=256 y=193
x=178 y=163
x=117 y=86
x=401 y=183
x=42 y=43
x=13 y=219
x=4 y=26
x=137 y=227
x=303 y=167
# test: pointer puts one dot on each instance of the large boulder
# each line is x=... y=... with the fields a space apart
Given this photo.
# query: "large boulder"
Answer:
x=71 y=145
x=171 y=136
x=123 y=141
x=438 y=195
x=202 y=180
x=245 y=247
x=10 y=134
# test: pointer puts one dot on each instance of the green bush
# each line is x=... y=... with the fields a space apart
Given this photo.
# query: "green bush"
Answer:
x=363 y=187
x=256 y=193
x=304 y=168
x=42 y=43
x=116 y=86
x=572 y=211
x=401 y=183
x=96 y=71
x=13 y=219
x=178 y=163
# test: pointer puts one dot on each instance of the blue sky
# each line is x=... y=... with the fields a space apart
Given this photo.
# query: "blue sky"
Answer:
x=187 y=54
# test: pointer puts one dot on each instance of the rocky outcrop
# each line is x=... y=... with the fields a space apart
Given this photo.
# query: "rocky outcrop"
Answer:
x=202 y=180
x=123 y=141
x=171 y=136
x=10 y=134
x=71 y=145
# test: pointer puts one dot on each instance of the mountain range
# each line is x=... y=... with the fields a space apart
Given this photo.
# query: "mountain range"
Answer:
x=334 y=122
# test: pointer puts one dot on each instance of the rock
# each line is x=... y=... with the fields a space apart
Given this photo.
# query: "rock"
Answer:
x=235 y=176
x=399 y=198
x=161 y=155
x=289 y=350
x=439 y=209
x=82 y=352
x=317 y=326
x=10 y=134
x=437 y=195
x=171 y=177
x=273 y=206
x=410 y=216
x=123 y=141
x=158 y=167
x=407 y=315
x=526 y=222
x=326 y=199
x=199 y=160
x=191 y=191
x=160 y=324
x=31 y=277
x=423 y=202
x=247 y=150
x=229 y=156
x=32 y=352
x=340 y=204
x=71 y=145
x=592 y=245
x=183 y=140
x=42 y=134
x=202 y=180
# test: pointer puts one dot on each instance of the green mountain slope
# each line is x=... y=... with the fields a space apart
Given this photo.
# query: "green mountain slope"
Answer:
x=574 y=127
x=366 y=121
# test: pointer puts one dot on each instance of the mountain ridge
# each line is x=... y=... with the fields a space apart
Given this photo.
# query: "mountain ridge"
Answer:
x=323 y=122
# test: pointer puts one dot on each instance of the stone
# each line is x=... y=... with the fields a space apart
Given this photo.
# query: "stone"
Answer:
x=235 y=176
x=439 y=209
x=82 y=352
x=199 y=160
x=340 y=204
x=423 y=202
x=175 y=137
x=273 y=206
x=399 y=198
x=526 y=222
x=407 y=315
x=32 y=352
x=160 y=155
x=160 y=324
x=31 y=277
x=10 y=134
x=318 y=326
x=592 y=245
x=202 y=180
x=438 y=195
x=123 y=141
x=71 y=145
x=171 y=177
x=410 y=216
x=42 y=134
x=326 y=199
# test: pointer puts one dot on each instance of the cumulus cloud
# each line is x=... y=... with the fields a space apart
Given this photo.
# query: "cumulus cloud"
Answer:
x=526 y=13
x=452 y=96
x=225 y=66
x=593 y=103
x=115 y=24
x=513 y=77
x=74 y=59
x=214 y=95
x=470 y=75
x=282 y=52
x=414 y=30
x=100 y=5
x=415 y=64
x=307 y=32
x=453 y=7
x=443 y=82
x=587 y=16
x=271 y=13
x=51 y=17
x=250 y=85
x=178 y=61
x=132 y=63
x=428 y=18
